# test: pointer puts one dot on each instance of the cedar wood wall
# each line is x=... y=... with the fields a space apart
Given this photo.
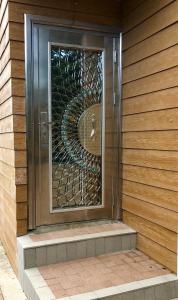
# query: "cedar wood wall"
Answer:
x=150 y=126
x=13 y=188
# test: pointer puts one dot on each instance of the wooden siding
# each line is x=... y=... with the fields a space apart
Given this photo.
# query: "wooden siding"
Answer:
x=150 y=126
x=13 y=166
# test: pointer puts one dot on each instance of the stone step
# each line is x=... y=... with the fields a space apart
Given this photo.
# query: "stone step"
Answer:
x=127 y=275
x=64 y=245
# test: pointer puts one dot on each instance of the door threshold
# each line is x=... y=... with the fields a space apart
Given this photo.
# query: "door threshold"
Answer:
x=71 y=225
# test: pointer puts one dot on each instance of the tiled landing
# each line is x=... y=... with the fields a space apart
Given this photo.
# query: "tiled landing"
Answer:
x=80 y=231
x=127 y=275
x=69 y=244
x=87 y=275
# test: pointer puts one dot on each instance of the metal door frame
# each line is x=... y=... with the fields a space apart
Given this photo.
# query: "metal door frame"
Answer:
x=30 y=20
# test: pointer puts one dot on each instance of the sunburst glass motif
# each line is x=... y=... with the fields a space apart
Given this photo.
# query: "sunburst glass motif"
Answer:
x=76 y=92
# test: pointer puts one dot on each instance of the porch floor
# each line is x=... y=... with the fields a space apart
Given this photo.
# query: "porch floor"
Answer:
x=79 y=230
x=90 y=274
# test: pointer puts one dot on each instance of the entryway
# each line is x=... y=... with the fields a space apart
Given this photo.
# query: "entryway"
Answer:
x=73 y=85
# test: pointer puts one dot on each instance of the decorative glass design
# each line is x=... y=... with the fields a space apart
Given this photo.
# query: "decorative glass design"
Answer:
x=76 y=109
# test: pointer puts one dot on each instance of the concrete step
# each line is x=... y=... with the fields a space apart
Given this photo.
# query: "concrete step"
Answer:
x=36 y=250
x=127 y=275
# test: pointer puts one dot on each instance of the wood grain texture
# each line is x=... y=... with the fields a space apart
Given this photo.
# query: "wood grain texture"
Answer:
x=152 y=231
x=156 y=214
x=150 y=26
x=128 y=6
x=163 y=160
x=157 y=120
x=151 y=102
x=145 y=10
x=154 y=177
x=158 y=140
x=156 y=43
x=149 y=140
x=157 y=252
x=17 y=10
x=155 y=82
x=154 y=195
x=158 y=62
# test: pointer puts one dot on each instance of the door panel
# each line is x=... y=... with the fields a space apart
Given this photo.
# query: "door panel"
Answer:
x=75 y=128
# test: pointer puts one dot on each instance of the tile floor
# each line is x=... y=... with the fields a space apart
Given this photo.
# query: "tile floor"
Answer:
x=77 y=231
x=85 y=275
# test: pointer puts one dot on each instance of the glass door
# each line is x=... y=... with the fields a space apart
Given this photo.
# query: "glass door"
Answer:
x=74 y=87
x=76 y=111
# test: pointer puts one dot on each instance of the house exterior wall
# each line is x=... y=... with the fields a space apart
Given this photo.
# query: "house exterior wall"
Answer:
x=13 y=166
x=150 y=123
x=13 y=196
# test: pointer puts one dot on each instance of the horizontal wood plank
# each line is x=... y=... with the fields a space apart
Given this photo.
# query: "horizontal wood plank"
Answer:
x=144 y=11
x=158 y=252
x=16 y=32
x=161 y=216
x=21 y=211
x=7 y=156
x=159 y=81
x=21 y=193
x=18 y=105
x=19 y=141
x=89 y=7
x=2 y=9
x=21 y=227
x=4 y=41
x=156 y=63
x=155 y=195
x=154 y=44
x=17 y=50
x=4 y=21
x=158 y=140
x=154 y=101
x=152 y=231
x=129 y=5
x=17 y=10
x=13 y=158
x=156 y=120
x=150 y=26
x=18 y=87
x=6 y=109
x=165 y=160
x=152 y=177
x=5 y=58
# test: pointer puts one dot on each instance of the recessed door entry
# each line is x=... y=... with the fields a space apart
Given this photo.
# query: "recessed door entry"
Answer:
x=74 y=100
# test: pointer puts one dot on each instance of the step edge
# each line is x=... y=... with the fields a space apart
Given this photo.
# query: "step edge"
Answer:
x=120 y=289
x=27 y=243
x=33 y=273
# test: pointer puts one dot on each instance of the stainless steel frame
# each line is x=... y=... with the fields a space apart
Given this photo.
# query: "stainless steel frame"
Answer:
x=30 y=21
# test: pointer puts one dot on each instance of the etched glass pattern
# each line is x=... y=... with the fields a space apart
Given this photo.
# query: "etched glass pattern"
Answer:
x=76 y=134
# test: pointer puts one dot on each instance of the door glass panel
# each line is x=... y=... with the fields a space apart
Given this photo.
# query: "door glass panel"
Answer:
x=76 y=110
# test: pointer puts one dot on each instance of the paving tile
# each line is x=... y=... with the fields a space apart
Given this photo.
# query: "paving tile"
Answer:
x=95 y=273
x=78 y=231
